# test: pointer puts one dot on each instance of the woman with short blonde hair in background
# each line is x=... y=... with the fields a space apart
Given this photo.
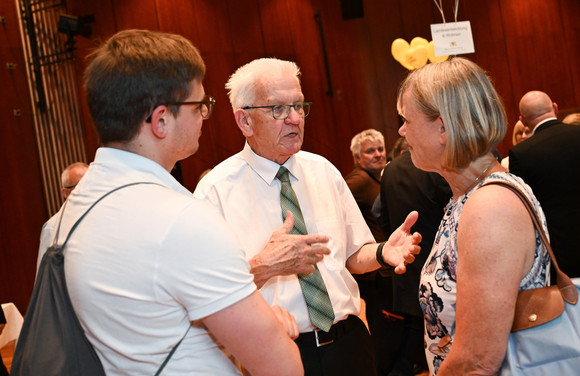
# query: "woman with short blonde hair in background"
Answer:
x=519 y=134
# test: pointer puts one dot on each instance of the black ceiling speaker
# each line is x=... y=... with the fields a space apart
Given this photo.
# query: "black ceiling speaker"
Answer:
x=73 y=25
x=352 y=9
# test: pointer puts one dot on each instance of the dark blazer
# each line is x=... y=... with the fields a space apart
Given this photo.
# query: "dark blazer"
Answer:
x=405 y=188
x=549 y=162
x=365 y=189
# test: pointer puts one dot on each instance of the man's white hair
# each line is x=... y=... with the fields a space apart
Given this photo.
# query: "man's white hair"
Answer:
x=366 y=135
x=248 y=81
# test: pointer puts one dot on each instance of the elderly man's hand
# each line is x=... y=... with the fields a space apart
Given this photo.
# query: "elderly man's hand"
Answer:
x=287 y=320
x=287 y=254
x=402 y=246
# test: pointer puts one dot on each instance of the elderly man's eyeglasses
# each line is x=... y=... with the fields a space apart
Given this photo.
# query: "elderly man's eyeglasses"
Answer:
x=205 y=106
x=282 y=111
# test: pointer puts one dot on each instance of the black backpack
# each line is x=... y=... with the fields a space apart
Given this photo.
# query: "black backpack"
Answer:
x=52 y=340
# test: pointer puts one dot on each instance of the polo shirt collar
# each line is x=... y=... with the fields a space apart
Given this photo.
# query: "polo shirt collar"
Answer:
x=138 y=168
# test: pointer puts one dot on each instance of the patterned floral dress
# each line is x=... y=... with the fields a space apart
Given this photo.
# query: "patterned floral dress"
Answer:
x=438 y=278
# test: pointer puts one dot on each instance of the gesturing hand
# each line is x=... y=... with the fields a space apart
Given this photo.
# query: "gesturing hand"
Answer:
x=287 y=254
x=402 y=246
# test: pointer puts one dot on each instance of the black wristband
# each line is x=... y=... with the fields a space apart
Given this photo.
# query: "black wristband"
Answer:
x=379 y=256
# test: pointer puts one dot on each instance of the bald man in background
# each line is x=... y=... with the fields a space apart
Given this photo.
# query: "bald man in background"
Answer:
x=549 y=162
x=69 y=178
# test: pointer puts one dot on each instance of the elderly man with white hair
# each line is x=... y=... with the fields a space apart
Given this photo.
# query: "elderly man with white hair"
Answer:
x=298 y=223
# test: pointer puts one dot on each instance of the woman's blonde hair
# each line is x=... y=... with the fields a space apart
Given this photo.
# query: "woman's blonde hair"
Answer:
x=519 y=128
x=461 y=93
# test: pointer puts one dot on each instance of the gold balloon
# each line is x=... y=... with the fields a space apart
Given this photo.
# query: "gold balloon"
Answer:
x=398 y=49
x=418 y=42
x=416 y=54
x=416 y=57
x=431 y=53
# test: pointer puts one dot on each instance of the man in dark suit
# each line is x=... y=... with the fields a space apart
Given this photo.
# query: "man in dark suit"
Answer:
x=549 y=162
x=404 y=187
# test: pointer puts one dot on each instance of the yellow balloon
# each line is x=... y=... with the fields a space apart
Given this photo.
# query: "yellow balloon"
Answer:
x=431 y=54
x=416 y=57
x=407 y=65
x=418 y=42
x=413 y=55
x=398 y=49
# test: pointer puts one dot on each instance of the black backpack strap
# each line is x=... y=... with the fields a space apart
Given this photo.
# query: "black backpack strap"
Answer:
x=171 y=352
x=73 y=228
x=55 y=236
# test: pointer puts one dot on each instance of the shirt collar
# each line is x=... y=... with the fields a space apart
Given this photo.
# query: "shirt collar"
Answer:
x=266 y=168
x=137 y=167
x=540 y=123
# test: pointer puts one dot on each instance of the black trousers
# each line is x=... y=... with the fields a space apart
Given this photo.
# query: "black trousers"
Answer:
x=350 y=354
x=385 y=332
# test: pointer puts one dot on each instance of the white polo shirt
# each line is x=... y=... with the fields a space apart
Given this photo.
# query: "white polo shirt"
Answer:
x=145 y=262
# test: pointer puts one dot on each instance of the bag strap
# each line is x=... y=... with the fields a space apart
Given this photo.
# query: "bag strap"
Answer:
x=75 y=225
x=565 y=284
x=171 y=352
x=56 y=233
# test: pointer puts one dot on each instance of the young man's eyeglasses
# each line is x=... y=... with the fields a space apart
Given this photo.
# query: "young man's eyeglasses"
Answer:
x=282 y=111
x=205 y=106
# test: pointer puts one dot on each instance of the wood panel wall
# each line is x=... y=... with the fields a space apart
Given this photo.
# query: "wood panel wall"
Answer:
x=524 y=45
x=22 y=205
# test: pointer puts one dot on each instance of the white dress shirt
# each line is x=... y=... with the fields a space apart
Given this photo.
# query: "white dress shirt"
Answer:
x=245 y=190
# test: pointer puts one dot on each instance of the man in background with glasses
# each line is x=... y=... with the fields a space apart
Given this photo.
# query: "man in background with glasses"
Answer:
x=150 y=268
x=300 y=227
x=69 y=179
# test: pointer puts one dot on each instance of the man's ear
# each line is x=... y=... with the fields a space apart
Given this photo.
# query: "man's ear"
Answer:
x=244 y=122
x=158 y=122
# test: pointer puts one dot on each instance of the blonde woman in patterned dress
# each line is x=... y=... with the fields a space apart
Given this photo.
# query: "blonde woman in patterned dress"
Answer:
x=486 y=249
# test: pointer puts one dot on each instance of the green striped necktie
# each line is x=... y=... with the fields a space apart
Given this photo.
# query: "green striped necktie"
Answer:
x=313 y=288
